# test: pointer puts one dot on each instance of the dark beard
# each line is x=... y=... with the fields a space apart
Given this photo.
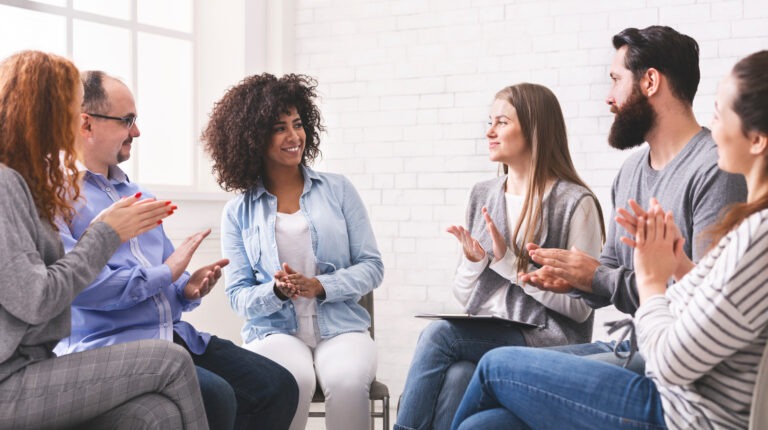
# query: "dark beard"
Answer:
x=632 y=122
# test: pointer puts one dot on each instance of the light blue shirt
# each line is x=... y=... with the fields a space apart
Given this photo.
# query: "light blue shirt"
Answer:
x=133 y=297
x=346 y=256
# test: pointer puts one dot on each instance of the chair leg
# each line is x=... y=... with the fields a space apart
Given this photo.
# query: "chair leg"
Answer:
x=385 y=402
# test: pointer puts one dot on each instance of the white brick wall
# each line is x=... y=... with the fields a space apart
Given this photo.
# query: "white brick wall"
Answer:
x=406 y=86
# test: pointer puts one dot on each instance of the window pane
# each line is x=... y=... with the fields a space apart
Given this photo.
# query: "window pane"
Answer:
x=165 y=104
x=25 y=29
x=115 y=8
x=102 y=47
x=173 y=14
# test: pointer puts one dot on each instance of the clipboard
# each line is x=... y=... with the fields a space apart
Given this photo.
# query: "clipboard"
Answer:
x=467 y=317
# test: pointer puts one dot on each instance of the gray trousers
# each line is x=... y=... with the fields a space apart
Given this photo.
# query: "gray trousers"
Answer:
x=149 y=384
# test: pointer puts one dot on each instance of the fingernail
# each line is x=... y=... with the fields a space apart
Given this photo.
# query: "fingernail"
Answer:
x=174 y=207
x=168 y=202
x=137 y=195
x=159 y=221
x=170 y=212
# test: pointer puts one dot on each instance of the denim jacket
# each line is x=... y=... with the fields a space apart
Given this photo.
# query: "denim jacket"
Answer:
x=346 y=256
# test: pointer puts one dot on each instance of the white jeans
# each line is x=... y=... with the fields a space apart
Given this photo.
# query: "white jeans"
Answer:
x=345 y=366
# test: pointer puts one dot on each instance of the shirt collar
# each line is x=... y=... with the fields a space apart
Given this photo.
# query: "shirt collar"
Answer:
x=310 y=176
x=116 y=174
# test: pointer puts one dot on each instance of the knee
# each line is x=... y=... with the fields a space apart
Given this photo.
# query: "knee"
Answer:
x=459 y=374
x=147 y=412
x=437 y=333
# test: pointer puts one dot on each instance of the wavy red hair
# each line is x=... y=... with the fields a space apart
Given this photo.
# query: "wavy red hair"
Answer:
x=37 y=132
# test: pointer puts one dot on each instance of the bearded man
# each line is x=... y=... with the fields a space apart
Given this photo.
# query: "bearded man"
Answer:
x=654 y=74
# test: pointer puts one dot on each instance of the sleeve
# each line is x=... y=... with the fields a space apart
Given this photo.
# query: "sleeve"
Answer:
x=613 y=283
x=715 y=190
x=716 y=322
x=119 y=286
x=367 y=269
x=249 y=295
x=584 y=233
x=465 y=279
x=33 y=291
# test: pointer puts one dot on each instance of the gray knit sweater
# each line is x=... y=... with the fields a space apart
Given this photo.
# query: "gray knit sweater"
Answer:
x=552 y=328
x=37 y=281
x=691 y=186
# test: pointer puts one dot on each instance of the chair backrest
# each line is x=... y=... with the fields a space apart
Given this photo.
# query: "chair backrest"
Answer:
x=758 y=416
x=367 y=302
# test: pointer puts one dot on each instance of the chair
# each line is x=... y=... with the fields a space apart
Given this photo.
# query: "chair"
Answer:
x=758 y=417
x=378 y=391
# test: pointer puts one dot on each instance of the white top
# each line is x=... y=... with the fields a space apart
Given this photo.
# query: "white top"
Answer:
x=294 y=246
x=584 y=228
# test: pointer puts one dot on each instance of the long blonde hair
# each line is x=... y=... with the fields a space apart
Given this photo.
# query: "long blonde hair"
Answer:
x=37 y=138
x=541 y=121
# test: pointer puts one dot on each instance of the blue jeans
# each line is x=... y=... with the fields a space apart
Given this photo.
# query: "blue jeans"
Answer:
x=603 y=351
x=442 y=344
x=528 y=388
x=218 y=399
x=460 y=373
x=266 y=393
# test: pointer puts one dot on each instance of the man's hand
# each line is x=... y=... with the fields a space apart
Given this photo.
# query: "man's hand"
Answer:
x=179 y=260
x=573 y=266
x=203 y=280
x=543 y=280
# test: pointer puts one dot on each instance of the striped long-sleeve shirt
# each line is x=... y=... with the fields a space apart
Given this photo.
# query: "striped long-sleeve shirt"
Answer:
x=703 y=340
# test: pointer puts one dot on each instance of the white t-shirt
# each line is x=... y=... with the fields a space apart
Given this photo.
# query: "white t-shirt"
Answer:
x=294 y=246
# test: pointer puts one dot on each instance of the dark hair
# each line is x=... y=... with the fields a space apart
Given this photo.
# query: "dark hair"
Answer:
x=541 y=121
x=240 y=127
x=674 y=55
x=94 y=97
x=751 y=105
x=37 y=134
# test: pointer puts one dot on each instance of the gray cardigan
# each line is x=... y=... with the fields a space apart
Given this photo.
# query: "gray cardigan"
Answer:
x=559 y=206
x=39 y=282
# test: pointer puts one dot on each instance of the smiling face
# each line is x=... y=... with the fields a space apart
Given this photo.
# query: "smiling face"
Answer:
x=287 y=145
x=108 y=141
x=506 y=142
x=733 y=147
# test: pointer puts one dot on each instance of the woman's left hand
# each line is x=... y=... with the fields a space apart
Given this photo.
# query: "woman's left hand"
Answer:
x=499 y=242
x=304 y=286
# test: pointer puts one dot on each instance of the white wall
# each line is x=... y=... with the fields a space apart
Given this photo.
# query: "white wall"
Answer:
x=406 y=86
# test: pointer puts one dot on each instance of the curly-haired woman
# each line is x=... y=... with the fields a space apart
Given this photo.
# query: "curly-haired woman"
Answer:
x=149 y=384
x=300 y=245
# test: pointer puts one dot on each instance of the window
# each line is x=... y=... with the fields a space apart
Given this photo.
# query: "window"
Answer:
x=150 y=45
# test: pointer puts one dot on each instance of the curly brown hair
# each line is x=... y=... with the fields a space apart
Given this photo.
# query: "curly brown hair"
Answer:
x=240 y=127
x=37 y=135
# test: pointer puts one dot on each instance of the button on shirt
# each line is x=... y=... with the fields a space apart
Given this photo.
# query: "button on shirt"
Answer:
x=133 y=297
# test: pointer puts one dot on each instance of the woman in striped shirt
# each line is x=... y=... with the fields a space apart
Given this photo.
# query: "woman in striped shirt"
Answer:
x=702 y=338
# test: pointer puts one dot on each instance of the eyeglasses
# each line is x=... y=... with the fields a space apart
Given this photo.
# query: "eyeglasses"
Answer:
x=128 y=120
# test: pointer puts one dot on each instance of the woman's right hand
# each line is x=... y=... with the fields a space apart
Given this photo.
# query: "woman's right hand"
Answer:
x=472 y=248
x=130 y=217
